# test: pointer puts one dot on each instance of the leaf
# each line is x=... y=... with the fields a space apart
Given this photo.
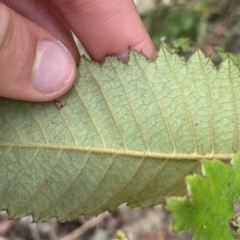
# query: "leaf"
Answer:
x=120 y=236
x=127 y=132
x=223 y=55
x=184 y=44
x=208 y=208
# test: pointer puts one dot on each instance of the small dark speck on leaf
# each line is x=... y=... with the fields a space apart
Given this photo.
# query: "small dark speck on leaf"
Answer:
x=58 y=104
x=121 y=145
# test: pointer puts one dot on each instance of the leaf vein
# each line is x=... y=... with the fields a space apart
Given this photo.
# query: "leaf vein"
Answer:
x=159 y=106
x=38 y=123
x=178 y=156
x=5 y=155
x=40 y=185
x=13 y=127
x=234 y=107
x=90 y=115
x=132 y=109
x=151 y=179
x=69 y=128
x=72 y=180
x=209 y=102
x=184 y=101
x=94 y=189
x=5 y=193
x=110 y=109
x=141 y=161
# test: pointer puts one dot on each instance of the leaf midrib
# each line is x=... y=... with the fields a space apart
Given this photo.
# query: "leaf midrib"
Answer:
x=175 y=156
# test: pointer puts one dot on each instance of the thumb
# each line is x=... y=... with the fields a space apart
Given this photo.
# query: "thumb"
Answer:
x=34 y=65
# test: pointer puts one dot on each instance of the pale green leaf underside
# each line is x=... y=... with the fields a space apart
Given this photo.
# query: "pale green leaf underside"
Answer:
x=129 y=132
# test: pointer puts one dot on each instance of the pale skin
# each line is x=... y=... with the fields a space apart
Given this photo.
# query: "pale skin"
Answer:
x=104 y=27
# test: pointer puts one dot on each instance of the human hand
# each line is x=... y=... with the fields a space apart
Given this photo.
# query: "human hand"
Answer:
x=38 y=56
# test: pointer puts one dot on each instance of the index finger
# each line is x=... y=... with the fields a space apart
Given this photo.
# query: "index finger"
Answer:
x=106 y=27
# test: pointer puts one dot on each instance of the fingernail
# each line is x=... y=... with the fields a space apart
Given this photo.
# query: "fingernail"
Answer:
x=53 y=67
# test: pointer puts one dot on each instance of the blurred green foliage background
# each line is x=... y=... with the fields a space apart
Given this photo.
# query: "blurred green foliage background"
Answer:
x=185 y=24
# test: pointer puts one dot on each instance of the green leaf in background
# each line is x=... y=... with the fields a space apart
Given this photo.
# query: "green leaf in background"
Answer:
x=120 y=236
x=183 y=46
x=127 y=132
x=223 y=55
x=183 y=43
x=208 y=209
x=170 y=22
